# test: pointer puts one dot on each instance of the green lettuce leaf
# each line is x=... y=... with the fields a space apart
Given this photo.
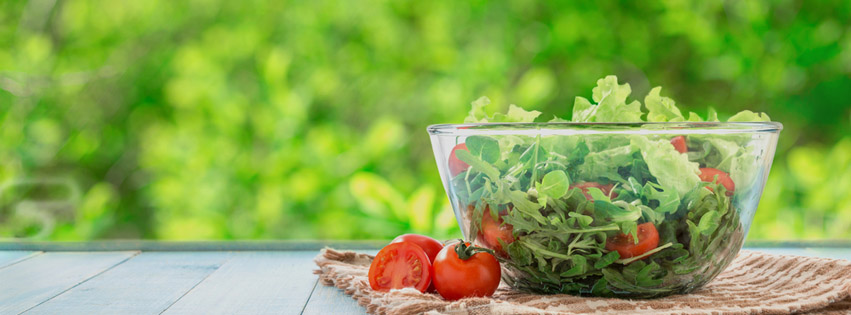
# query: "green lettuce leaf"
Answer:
x=477 y=112
x=515 y=113
x=727 y=149
x=712 y=116
x=747 y=115
x=692 y=116
x=605 y=164
x=611 y=104
x=672 y=169
x=743 y=169
x=583 y=111
x=660 y=108
x=669 y=200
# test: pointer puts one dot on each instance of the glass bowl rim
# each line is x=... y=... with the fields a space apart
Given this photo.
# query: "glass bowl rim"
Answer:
x=571 y=128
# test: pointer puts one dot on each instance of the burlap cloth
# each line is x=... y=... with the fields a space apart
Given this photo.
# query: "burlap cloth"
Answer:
x=755 y=283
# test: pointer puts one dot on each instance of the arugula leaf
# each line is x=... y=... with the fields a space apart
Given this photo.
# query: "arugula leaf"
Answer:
x=708 y=223
x=609 y=212
x=630 y=228
x=597 y=194
x=477 y=164
x=554 y=185
x=580 y=266
x=519 y=254
x=486 y=148
x=526 y=206
x=668 y=199
x=581 y=219
x=521 y=222
x=601 y=287
x=608 y=259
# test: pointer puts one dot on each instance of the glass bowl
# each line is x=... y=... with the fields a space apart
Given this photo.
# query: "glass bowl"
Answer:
x=633 y=210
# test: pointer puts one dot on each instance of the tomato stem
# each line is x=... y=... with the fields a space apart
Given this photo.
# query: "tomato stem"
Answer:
x=465 y=251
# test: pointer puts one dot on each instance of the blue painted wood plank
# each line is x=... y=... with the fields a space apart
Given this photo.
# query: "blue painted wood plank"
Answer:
x=33 y=281
x=146 y=284
x=253 y=283
x=183 y=246
x=331 y=300
x=9 y=257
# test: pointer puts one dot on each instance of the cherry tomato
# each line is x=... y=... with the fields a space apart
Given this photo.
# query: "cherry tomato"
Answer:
x=457 y=277
x=679 y=143
x=606 y=189
x=707 y=174
x=400 y=265
x=648 y=238
x=457 y=166
x=495 y=230
x=429 y=245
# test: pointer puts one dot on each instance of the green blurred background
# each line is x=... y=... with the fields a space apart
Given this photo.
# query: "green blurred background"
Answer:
x=187 y=120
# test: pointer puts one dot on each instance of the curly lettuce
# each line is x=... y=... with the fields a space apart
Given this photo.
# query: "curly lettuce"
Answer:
x=609 y=104
x=515 y=114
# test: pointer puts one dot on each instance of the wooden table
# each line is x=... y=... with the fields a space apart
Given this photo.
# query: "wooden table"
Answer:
x=201 y=278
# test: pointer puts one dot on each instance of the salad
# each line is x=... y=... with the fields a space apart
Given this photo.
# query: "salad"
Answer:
x=607 y=214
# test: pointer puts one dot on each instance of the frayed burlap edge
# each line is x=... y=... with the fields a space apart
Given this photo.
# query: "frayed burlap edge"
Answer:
x=751 y=285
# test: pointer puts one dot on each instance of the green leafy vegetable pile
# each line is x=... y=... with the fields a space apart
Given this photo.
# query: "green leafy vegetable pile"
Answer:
x=564 y=198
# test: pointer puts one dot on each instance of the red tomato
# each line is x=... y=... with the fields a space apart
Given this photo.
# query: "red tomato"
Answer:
x=679 y=143
x=606 y=189
x=429 y=245
x=456 y=278
x=457 y=166
x=707 y=174
x=400 y=265
x=494 y=230
x=648 y=238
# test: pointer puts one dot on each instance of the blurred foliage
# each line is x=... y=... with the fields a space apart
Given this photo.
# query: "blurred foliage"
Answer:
x=306 y=119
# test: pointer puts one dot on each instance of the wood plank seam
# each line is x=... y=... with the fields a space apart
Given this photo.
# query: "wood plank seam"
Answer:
x=308 y=296
x=253 y=283
x=33 y=254
x=196 y=285
x=81 y=282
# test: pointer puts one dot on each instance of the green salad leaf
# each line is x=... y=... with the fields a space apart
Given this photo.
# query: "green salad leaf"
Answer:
x=660 y=108
x=672 y=169
x=515 y=113
x=485 y=148
x=554 y=185
x=566 y=199
x=747 y=115
x=611 y=104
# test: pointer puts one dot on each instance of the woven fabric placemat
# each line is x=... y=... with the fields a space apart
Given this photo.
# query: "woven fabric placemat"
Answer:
x=755 y=283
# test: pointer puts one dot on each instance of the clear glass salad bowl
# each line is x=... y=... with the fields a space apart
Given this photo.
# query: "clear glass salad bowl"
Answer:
x=636 y=210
